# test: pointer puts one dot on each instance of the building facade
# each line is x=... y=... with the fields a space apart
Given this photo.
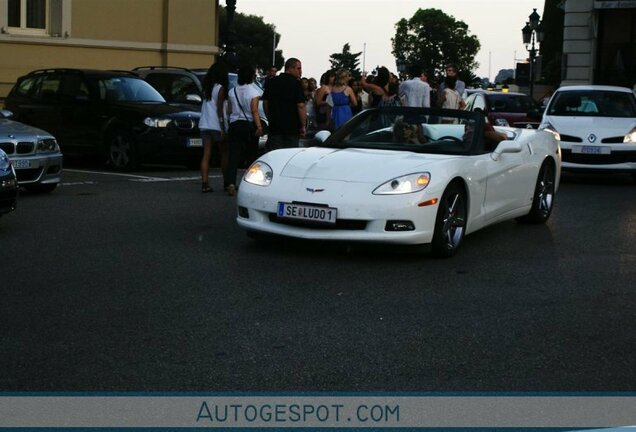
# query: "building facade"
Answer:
x=599 y=42
x=105 y=34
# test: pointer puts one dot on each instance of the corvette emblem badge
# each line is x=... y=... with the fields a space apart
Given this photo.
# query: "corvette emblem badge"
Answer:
x=314 y=190
x=591 y=138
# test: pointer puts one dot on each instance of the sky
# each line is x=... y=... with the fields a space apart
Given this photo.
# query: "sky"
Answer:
x=312 y=30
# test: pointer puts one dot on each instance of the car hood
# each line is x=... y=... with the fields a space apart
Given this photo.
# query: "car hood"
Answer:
x=356 y=164
x=155 y=109
x=14 y=129
x=582 y=126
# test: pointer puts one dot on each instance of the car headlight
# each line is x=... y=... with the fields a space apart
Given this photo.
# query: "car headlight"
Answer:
x=546 y=126
x=501 y=122
x=630 y=137
x=406 y=184
x=156 y=122
x=259 y=173
x=47 y=145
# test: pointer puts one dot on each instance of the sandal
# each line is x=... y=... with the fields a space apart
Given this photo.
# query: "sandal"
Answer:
x=205 y=187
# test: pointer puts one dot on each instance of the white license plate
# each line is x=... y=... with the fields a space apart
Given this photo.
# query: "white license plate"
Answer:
x=195 y=142
x=591 y=150
x=21 y=163
x=307 y=212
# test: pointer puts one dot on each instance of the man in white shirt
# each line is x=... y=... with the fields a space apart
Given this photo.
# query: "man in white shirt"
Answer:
x=416 y=92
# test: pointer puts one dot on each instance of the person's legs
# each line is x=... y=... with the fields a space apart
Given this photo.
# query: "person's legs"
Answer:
x=205 y=160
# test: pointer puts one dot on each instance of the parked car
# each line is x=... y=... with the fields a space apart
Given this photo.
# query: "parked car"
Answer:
x=506 y=109
x=34 y=154
x=597 y=127
x=404 y=176
x=8 y=185
x=112 y=115
x=181 y=85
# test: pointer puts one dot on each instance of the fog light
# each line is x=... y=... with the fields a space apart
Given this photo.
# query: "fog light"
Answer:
x=399 y=225
x=9 y=184
x=243 y=212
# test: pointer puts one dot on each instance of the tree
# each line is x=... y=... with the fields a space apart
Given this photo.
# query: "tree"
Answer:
x=253 y=40
x=431 y=40
x=347 y=60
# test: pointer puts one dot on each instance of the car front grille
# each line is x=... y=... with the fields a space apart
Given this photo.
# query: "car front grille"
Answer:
x=341 y=224
x=187 y=124
x=598 y=159
x=23 y=147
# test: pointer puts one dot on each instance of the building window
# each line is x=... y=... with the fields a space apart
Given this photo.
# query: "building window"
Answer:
x=28 y=15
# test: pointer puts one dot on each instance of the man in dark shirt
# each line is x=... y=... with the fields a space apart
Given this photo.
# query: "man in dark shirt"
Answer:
x=284 y=105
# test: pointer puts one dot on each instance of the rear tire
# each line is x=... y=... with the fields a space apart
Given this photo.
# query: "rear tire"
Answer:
x=450 y=223
x=543 y=198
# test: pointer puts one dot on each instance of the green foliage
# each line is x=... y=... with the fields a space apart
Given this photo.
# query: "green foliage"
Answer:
x=347 y=60
x=431 y=40
x=253 y=40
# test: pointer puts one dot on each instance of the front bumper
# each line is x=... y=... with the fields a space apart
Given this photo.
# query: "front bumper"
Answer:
x=38 y=168
x=610 y=157
x=362 y=216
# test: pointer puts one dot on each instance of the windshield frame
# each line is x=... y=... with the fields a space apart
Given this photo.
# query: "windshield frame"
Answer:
x=472 y=144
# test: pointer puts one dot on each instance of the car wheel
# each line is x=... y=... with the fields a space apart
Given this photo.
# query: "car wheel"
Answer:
x=450 y=223
x=41 y=188
x=543 y=198
x=122 y=154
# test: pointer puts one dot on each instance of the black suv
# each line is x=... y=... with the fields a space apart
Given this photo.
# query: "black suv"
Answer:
x=114 y=115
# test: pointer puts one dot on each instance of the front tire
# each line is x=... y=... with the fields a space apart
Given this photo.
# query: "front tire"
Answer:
x=122 y=153
x=450 y=223
x=543 y=198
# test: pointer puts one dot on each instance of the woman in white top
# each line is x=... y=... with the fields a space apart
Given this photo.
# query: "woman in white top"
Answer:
x=245 y=124
x=211 y=122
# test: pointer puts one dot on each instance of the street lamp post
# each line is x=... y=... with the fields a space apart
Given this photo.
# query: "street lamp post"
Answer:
x=533 y=33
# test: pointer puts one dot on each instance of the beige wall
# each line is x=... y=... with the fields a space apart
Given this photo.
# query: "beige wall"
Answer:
x=118 y=34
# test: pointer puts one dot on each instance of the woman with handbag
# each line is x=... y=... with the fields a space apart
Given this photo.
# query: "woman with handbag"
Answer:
x=245 y=124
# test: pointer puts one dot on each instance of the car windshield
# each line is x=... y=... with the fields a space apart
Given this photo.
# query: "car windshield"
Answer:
x=593 y=103
x=127 y=89
x=420 y=130
x=510 y=103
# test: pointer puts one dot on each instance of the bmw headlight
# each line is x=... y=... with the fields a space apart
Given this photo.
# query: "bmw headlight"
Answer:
x=631 y=136
x=501 y=122
x=47 y=145
x=259 y=173
x=406 y=184
x=157 y=122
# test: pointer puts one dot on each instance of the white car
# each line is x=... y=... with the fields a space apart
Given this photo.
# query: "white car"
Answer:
x=403 y=176
x=597 y=127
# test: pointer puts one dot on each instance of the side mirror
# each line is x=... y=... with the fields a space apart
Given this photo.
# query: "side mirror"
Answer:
x=506 y=147
x=321 y=136
x=6 y=114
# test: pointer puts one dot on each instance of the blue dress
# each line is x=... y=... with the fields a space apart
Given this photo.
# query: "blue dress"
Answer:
x=341 y=111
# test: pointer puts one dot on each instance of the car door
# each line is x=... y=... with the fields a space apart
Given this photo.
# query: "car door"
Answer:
x=78 y=115
x=511 y=178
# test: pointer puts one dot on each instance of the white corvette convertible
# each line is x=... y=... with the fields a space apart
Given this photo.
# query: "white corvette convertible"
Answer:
x=405 y=176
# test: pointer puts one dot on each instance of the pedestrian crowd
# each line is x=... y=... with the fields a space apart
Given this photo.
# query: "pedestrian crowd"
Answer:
x=231 y=125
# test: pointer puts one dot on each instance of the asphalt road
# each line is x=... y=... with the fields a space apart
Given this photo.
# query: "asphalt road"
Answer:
x=141 y=283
